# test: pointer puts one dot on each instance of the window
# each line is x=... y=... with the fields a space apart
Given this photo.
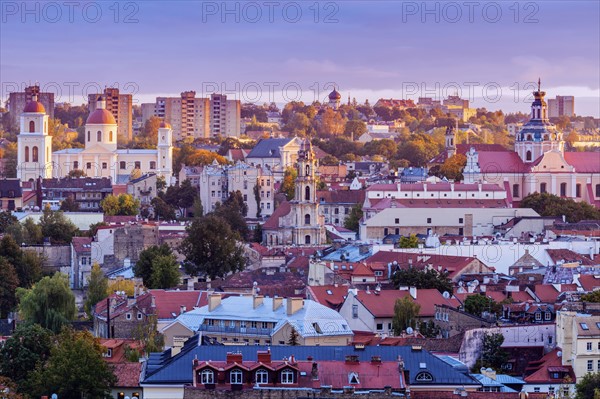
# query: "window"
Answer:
x=590 y=365
x=128 y=316
x=99 y=136
x=307 y=239
x=536 y=389
x=31 y=127
x=265 y=324
x=138 y=164
x=235 y=377
x=397 y=221
x=110 y=136
x=597 y=190
x=152 y=165
x=104 y=165
x=424 y=376
x=307 y=219
x=528 y=156
x=578 y=190
x=307 y=193
x=353 y=378
x=460 y=220
x=262 y=377
x=26 y=153
x=538 y=316
x=88 y=165
x=584 y=326
x=89 y=137
x=287 y=377
x=563 y=189
x=34 y=154
x=428 y=220
x=139 y=316
x=108 y=353
x=207 y=377
x=75 y=165
x=379 y=326
x=122 y=165
x=547 y=316
x=589 y=346
x=355 y=311
x=515 y=192
x=543 y=188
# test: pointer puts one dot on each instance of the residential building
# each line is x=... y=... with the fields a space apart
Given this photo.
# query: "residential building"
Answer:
x=18 y=100
x=578 y=335
x=513 y=128
x=120 y=106
x=143 y=188
x=276 y=154
x=11 y=194
x=188 y=115
x=336 y=205
x=81 y=261
x=88 y=192
x=456 y=101
x=550 y=376
x=257 y=320
x=225 y=116
x=561 y=106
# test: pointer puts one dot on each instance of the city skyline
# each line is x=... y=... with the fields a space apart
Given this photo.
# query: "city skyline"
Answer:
x=429 y=49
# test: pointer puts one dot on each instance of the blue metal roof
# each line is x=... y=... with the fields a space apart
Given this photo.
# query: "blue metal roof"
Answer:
x=268 y=148
x=178 y=369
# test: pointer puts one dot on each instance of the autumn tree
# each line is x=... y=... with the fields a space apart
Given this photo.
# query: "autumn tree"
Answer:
x=288 y=186
x=158 y=267
x=354 y=129
x=212 y=248
x=122 y=205
x=452 y=167
x=97 y=288
x=411 y=241
x=406 y=313
x=76 y=173
x=331 y=124
x=352 y=222
x=147 y=333
x=121 y=284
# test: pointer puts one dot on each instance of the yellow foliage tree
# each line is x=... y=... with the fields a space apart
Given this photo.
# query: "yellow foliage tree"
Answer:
x=128 y=286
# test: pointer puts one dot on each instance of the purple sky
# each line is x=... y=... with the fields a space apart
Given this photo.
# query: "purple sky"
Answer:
x=367 y=49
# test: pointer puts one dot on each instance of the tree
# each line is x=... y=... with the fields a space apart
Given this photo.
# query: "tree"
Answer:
x=32 y=232
x=492 y=354
x=551 y=205
x=422 y=279
x=233 y=211
x=429 y=329
x=8 y=286
x=75 y=368
x=593 y=296
x=158 y=267
x=355 y=128
x=27 y=264
x=69 y=205
x=288 y=186
x=50 y=302
x=76 y=173
x=588 y=387
x=293 y=340
x=452 y=167
x=406 y=313
x=182 y=196
x=9 y=389
x=28 y=347
x=477 y=304
x=57 y=227
x=147 y=333
x=123 y=204
x=353 y=220
x=331 y=124
x=97 y=288
x=120 y=284
x=6 y=219
x=162 y=210
x=211 y=248
x=409 y=242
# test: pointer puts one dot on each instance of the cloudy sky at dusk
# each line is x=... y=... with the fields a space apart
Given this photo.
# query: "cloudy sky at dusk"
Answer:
x=489 y=52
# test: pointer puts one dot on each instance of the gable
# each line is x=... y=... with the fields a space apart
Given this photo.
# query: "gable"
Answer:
x=552 y=161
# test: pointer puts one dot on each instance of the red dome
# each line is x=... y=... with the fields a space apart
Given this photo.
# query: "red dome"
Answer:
x=34 y=106
x=101 y=116
x=165 y=125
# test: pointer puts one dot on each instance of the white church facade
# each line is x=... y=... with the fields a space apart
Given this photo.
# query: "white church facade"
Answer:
x=99 y=158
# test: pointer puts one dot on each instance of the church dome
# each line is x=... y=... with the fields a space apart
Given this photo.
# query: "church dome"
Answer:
x=335 y=95
x=165 y=125
x=101 y=116
x=34 y=106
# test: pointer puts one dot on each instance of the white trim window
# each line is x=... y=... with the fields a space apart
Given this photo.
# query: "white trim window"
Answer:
x=287 y=377
x=262 y=377
x=207 y=377
x=235 y=377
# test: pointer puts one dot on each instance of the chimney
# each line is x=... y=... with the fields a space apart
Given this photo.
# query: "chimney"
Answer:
x=293 y=305
x=234 y=357
x=182 y=309
x=277 y=302
x=257 y=300
x=214 y=300
x=264 y=356
x=413 y=292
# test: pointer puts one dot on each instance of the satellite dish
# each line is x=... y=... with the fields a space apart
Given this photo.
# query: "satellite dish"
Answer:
x=446 y=295
x=409 y=330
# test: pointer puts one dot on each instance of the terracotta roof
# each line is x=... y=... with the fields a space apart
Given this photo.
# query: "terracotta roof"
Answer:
x=385 y=203
x=546 y=292
x=101 y=116
x=118 y=219
x=128 y=374
x=589 y=282
x=540 y=372
x=382 y=304
x=584 y=162
x=568 y=256
x=341 y=196
x=331 y=296
x=170 y=302
x=272 y=222
x=82 y=244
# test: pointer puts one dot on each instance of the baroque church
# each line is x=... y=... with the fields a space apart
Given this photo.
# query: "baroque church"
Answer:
x=538 y=162
x=99 y=158
x=298 y=222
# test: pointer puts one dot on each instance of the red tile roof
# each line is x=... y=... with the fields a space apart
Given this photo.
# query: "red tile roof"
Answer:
x=589 y=282
x=568 y=256
x=328 y=295
x=540 y=370
x=128 y=374
x=82 y=245
x=272 y=222
x=170 y=302
x=546 y=292
x=341 y=196
x=382 y=304
x=584 y=162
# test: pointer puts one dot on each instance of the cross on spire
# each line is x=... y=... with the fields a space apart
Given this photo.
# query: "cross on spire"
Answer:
x=539 y=84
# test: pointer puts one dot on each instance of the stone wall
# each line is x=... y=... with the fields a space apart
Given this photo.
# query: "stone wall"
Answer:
x=56 y=257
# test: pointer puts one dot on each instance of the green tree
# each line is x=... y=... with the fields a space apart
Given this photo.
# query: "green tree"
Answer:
x=593 y=296
x=288 y=186
x=162 y=210
x=406 y=313
x=9 y=389
x=355 y=128
x=69 y=205
x=477 y=304
x=123 y=204
x=353 y=220
x=182 y=196
x=551 y=205
x=422 y=279
x=75 y=368
x=8 y=286
x=6 y=219
x=492 y=354
x=97 y=289
x=147 y=333
x=293 y=340
x=28 y=347
x=32 y=232
x=429 y=329
x=588 y=387
x=233 y=211
x=409 y=242
x=49 y=303
x=329 y=160
x=212 y=248
x=158 y=267
x=27 y=264
x=57 y=227
x=76 y=173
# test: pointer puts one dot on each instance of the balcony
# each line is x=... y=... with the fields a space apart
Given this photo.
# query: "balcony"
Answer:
x=236 y=330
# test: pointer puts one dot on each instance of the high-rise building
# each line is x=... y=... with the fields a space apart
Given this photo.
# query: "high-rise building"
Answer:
x=119 y=105
x=225 y=116
x=561 y=106
x=18 y=100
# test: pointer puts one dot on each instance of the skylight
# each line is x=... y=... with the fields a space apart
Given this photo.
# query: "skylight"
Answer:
x=329 y=292
x=584 y=326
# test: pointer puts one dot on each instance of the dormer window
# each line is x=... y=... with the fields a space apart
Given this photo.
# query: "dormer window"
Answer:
x=353 y=378
x=207 y=377
x=262 y=377
x=235 y=377
x=424 y=376
x=287 y=377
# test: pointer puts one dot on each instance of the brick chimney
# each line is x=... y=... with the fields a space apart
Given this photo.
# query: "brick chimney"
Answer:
x=234 y=357
x=214 y=300
x=264 y=356
x=257 y=300
x=293 y=305
x=277 y=302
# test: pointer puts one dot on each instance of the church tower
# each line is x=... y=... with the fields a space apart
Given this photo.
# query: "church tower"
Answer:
x=538 y=136
x=165 y=152
x=34 y=154
x=472 y=171
x=308 y=224
x=335 y=99
x=450 y=141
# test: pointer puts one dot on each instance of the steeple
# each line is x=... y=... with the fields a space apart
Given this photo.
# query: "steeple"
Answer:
x=451 y=140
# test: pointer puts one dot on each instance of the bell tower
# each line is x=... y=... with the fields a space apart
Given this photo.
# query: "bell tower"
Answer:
x=450 y=141
x=34 y=154
x=165 y=152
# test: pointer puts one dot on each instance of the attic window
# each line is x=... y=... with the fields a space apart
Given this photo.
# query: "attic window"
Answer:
x=424 y=376
x=584 y=326
x=422 y=365
x=329 y=292
x=317 y=328
x=353 y=378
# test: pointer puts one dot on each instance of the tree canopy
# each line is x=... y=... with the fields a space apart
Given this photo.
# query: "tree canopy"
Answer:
x=422 y=279
x=122 y=205
x=406 y=313
x=57 y=227
x=492 y=354
x=158 y=267
x=552 y=205
x=97 y=291
x=353 y=219
x=588 y=387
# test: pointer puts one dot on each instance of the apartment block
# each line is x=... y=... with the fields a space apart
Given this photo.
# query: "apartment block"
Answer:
x=561 y=106
x=18 y=100
x=120 y=106
x=224 y=116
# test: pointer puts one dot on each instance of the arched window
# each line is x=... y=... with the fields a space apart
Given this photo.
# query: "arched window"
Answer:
x=31 y=127
x=563 y=189
x=307 y=219
x=287 y=376
x=207 y=377
x=235 y=377
x=424 y=376
x=528 y=155
x=99 y=136
x=307 y=193
x=306 y=241
x=34 y=154
x=307 y=170
x=75 y=165
x=542 y=188
x=26 y=153
x=110 y=136
x=262 y=377
x=89 y=137
x=123 y=165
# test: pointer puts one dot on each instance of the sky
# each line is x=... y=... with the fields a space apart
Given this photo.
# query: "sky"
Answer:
x=490 y=52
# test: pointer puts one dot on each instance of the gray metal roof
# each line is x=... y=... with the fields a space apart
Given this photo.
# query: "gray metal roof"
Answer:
x=268 y=148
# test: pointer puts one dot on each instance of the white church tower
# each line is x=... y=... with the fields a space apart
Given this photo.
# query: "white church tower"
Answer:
x=472 y=171
x=34 y=154
x=165 y=152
